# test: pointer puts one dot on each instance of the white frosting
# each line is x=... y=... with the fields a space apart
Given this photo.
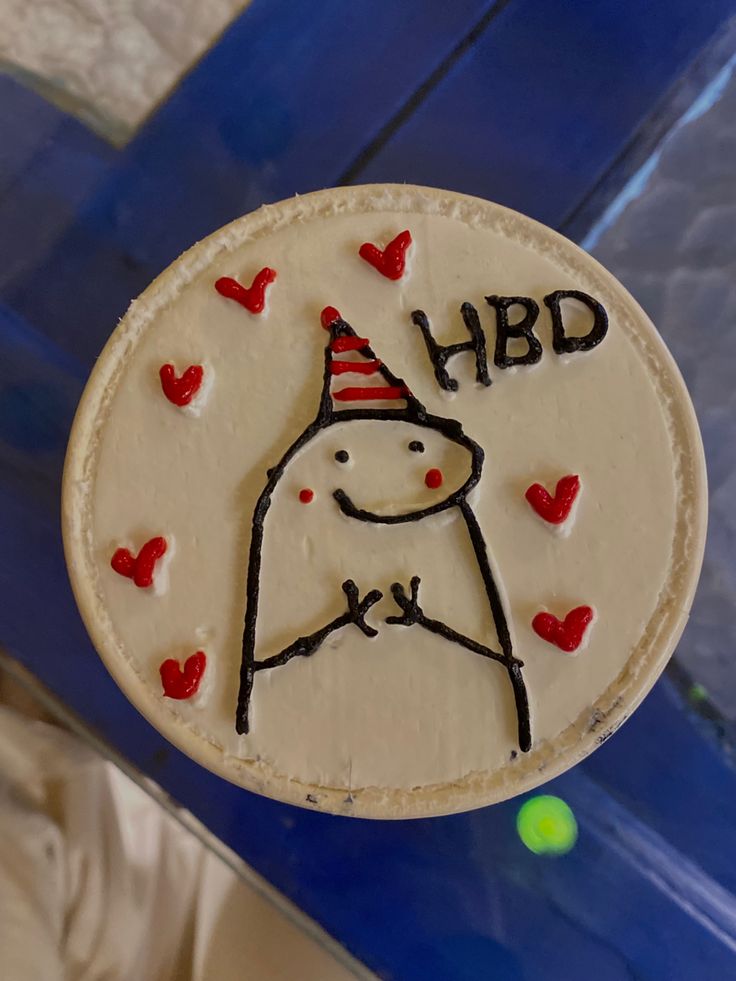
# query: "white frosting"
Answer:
x=374 y=718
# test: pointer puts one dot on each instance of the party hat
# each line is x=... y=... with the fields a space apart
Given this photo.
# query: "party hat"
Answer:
x=358 y=382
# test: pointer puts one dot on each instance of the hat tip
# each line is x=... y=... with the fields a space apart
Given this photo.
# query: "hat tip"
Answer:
x=328 y=317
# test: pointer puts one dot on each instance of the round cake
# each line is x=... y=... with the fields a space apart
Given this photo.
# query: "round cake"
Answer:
x=385 y=501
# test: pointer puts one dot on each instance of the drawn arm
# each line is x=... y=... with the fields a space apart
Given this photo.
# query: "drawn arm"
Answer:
x=413 y=614
x=302 y=646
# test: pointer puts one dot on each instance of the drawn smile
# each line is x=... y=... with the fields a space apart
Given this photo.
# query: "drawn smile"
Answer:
x=348 y=508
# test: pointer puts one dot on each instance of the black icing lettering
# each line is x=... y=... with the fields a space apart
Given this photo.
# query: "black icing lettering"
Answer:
x=569 y=345
x=440 y=354
x=521 y=329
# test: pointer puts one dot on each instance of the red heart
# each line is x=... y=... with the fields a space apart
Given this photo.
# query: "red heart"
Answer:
x=139 y=567
x=181 y=390
x=567 y=634
x=251 y=297
x=183 y=683
x=555 y=509
x=391 y=263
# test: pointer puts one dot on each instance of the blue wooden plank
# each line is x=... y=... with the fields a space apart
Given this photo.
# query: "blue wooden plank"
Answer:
x=49 y=164
x=39 y=390
x=27 y=123
x=281 y=105
x=546 y=101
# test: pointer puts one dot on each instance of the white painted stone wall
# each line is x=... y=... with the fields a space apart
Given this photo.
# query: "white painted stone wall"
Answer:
x=110 y=62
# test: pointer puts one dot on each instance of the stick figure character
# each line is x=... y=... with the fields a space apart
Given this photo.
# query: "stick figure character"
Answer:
x=365 y=416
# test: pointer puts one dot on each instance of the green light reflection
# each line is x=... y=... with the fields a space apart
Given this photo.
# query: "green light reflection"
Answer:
x=546 y=825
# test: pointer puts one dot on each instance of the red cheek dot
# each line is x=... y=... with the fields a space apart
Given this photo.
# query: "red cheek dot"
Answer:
x=306 y=496
x=433 y=478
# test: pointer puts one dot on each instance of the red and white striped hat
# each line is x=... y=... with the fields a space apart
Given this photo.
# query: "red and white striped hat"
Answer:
x=354 y=377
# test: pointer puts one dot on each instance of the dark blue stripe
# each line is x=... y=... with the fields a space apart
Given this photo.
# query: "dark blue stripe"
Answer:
x=546 y=100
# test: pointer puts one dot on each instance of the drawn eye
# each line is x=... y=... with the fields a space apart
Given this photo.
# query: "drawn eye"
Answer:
x=342 y=456
x=416 y=447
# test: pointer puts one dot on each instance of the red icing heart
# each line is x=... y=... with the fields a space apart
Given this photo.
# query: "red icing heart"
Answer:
x=391 y=263
x=555 y=509
x=183 y=682
x=139 y=567
x=251 y=297
x=566 y=634
x=181 y=390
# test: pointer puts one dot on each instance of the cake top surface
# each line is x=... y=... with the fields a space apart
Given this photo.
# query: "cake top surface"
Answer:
x=385 y=500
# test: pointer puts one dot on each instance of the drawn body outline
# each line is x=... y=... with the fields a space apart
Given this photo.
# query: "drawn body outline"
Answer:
x=412 y=613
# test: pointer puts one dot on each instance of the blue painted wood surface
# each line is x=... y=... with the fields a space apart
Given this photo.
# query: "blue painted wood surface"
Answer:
x=282 y=105
x=292 y=98
x=546 y=101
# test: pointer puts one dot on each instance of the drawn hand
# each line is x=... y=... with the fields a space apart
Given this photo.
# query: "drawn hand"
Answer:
x=358 y=608
x=413 y=612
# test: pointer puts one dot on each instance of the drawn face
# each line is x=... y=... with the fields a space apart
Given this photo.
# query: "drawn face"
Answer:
x=387 y=471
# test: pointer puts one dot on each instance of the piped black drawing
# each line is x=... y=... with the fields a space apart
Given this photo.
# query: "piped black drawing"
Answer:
x=440 y=354
x=411 y=614
x=521 y=330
